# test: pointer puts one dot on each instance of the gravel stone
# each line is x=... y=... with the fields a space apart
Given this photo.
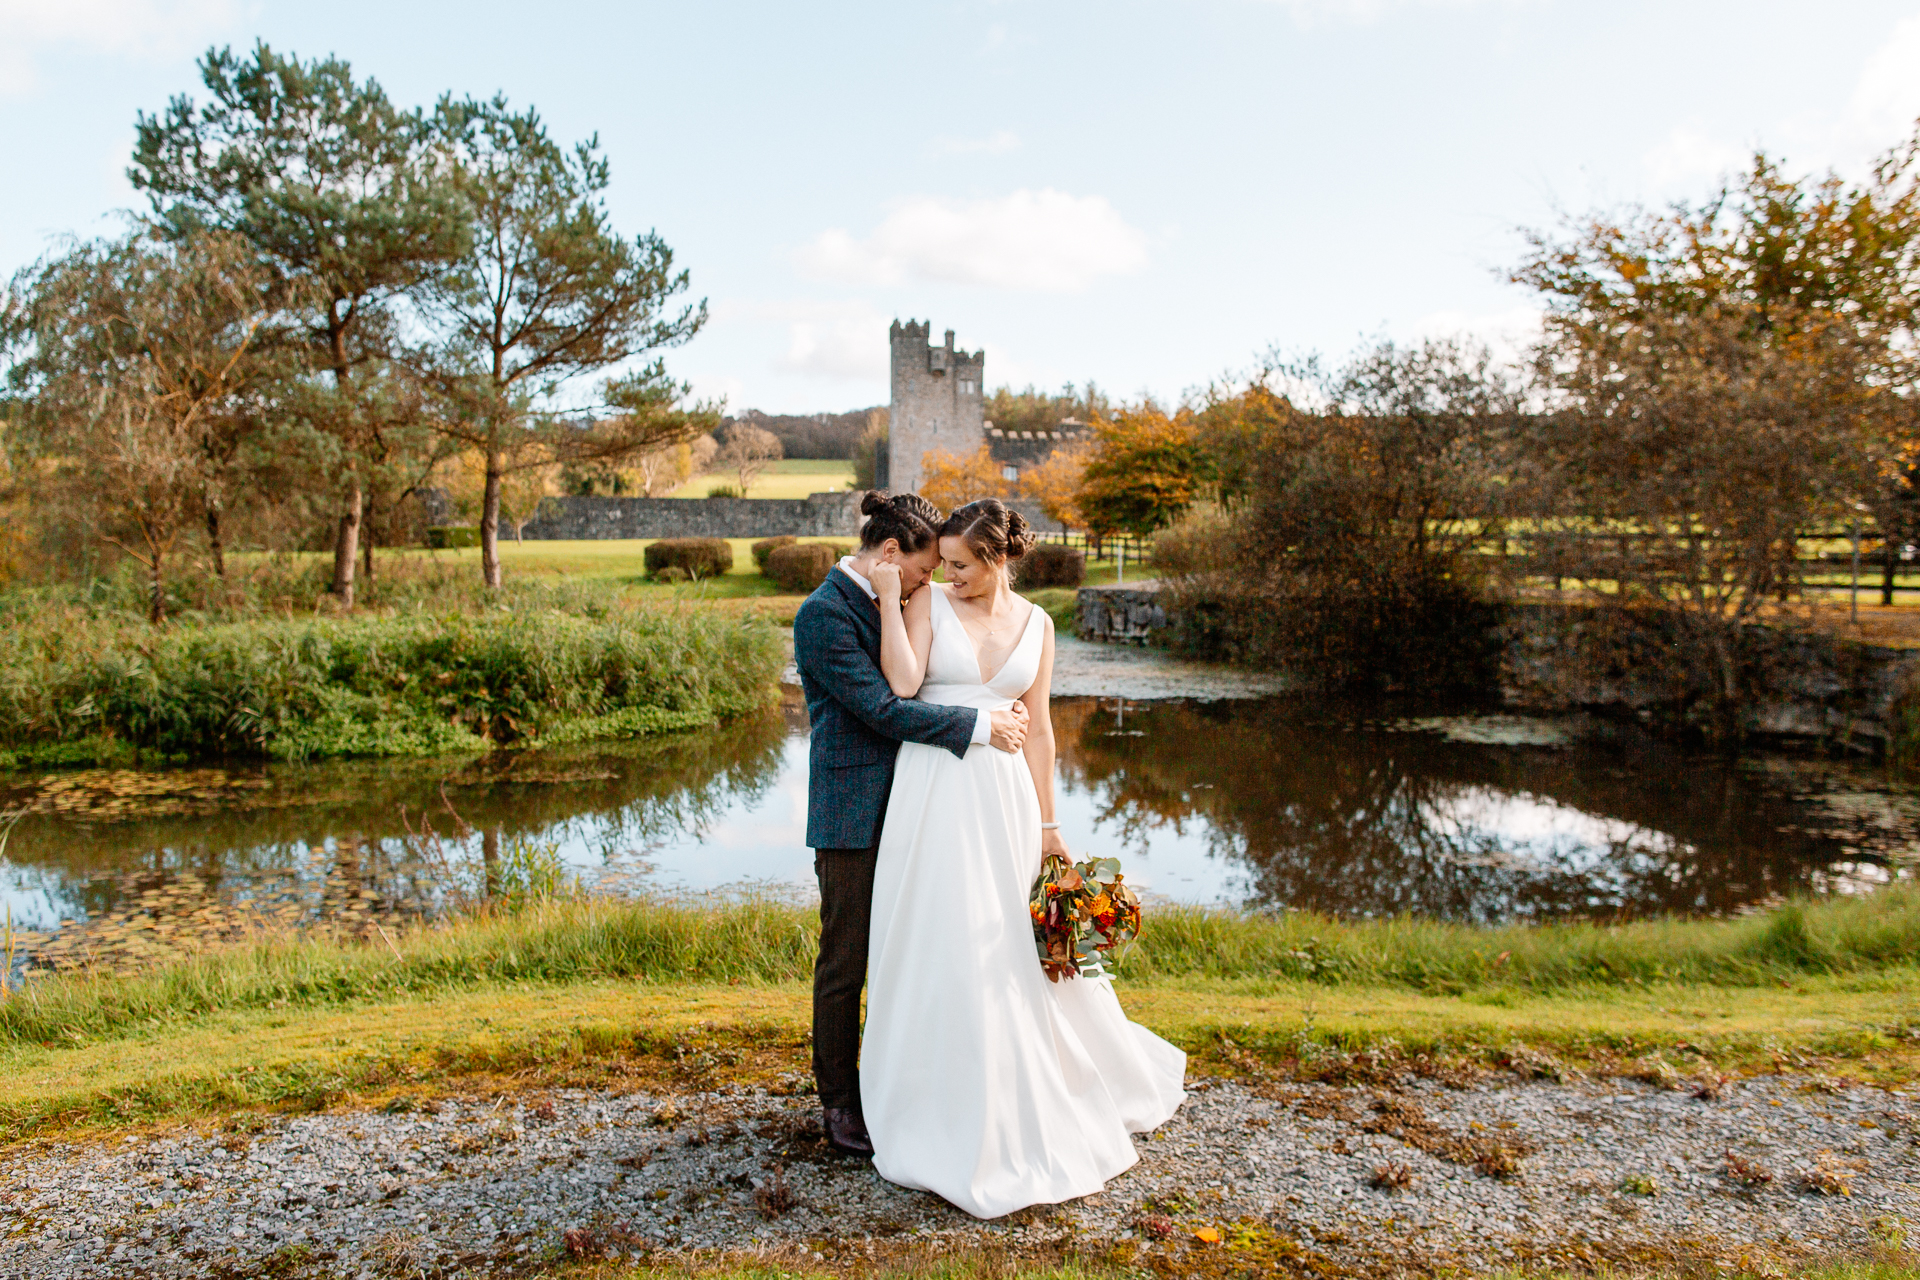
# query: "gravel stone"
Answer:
x=492 y=1185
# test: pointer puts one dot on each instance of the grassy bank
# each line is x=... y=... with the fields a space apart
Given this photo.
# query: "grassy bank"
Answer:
x=76 y=685
x=1197 y=967
x=1869 y=943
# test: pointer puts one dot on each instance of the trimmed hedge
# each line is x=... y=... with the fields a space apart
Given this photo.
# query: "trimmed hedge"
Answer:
x=696 y=557
x=765 y=547
x=442 y=537
x=801 y=567
x=1050 y=564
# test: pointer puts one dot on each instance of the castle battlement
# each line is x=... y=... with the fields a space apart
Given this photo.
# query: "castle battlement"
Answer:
x=938 y=401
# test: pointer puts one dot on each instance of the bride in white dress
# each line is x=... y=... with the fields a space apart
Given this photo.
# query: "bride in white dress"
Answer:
x=981 y=1080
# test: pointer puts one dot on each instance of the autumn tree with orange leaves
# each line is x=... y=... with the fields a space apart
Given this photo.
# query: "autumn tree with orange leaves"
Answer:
x=1146 y=469
x=950 y=480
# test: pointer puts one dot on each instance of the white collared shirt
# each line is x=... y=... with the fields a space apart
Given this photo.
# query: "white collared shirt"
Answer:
x=983 y=720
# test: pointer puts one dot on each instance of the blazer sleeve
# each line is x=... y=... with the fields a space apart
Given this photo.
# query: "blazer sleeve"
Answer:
x=851 y=676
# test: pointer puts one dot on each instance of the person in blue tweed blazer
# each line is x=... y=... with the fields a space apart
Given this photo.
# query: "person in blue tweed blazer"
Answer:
x=858 y=724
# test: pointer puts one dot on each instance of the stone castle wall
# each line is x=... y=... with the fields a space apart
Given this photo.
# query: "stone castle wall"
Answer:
x=820 y=515
x=938 y=402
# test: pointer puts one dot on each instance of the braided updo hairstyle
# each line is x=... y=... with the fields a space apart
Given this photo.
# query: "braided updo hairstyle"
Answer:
x=996 y=532
x=907 y=518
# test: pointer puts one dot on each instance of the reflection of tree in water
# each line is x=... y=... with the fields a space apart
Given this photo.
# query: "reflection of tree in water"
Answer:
x=1341 y=818
x=331 y=842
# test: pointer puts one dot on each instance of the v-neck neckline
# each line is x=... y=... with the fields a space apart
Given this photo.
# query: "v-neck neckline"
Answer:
x=974 y=649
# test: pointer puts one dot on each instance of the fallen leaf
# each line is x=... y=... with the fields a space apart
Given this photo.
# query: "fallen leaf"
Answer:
x=1207 y=1235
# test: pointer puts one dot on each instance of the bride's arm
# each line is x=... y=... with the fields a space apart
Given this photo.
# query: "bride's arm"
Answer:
x=1039 y=745
x=906 y=633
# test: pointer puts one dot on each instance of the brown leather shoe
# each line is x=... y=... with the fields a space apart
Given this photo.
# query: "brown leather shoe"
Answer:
x=847 y=1131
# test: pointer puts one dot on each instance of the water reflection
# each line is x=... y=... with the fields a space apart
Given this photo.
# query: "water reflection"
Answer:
x=124 y=866
x=1351 y=814
x=1271 y=803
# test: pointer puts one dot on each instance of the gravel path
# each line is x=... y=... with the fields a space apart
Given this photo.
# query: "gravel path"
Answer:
x=495 y=1186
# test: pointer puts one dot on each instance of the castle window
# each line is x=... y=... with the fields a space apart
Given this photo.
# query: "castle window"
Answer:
x=1009 y=472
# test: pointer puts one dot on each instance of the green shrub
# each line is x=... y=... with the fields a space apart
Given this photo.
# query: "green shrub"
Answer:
x=764 y=548
x=801 y=567
x=724 y=491
x=699 y=557
x=1050 y=564
x=443 y=537
x=373 y=686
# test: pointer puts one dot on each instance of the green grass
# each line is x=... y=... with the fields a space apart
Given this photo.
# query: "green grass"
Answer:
x=787 y=478
x=563 y=664
x=617 y=560
x=1871 y=942
x=581 y=991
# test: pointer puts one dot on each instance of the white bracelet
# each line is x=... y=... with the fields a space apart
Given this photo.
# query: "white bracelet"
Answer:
x=1049 y=826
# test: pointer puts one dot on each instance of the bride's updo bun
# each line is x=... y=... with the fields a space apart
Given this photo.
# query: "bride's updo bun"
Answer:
x=996 y=532
x=907 y=518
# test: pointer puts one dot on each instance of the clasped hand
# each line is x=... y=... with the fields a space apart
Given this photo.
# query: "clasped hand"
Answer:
x=886 y=582
x=1009 y=727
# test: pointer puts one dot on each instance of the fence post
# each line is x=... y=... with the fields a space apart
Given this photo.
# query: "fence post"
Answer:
x=1853 y=601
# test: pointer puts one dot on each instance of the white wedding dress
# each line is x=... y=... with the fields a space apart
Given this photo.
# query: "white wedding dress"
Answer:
x=980 y=1080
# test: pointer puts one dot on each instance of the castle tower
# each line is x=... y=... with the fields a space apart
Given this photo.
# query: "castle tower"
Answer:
x=938 y=402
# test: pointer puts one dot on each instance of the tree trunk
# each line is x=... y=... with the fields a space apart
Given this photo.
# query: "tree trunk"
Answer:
x=367 y=536
x=214 y=546
x=1888 y=557
x=347 y=533
x=490 y=522
x=156 y=591
x=490 y=863
x=346 y=543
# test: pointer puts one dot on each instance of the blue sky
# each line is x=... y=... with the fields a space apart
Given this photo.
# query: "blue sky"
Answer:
x=1143 y=194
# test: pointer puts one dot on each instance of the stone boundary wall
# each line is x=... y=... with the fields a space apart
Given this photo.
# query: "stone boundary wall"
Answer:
x=820 y=515
x=1127 y=613
x=1556 y=658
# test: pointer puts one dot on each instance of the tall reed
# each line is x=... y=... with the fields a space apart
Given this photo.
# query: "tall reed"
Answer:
x=377 y=685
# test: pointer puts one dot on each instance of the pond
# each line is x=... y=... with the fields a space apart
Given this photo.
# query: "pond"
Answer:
x=1265 y=803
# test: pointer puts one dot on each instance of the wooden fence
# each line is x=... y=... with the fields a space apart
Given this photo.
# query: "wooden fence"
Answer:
x=1820 y=569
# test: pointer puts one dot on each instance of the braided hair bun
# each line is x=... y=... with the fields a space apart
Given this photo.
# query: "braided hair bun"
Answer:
x=996 y=532
x=907 y=518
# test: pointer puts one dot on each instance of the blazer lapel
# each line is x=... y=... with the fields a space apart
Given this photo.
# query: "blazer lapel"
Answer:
x=865 y=612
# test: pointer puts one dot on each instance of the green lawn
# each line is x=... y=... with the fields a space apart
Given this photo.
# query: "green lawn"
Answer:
x=787 y=478
x=615 y=558
x=579 y=990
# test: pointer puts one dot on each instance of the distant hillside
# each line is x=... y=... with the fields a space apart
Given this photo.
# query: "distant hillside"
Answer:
x=810 y=435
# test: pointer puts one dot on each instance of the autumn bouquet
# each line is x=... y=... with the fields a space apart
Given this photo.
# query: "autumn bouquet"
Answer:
x=1081 y=914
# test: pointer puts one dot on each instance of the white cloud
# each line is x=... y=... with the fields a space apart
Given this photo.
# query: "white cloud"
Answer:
x=29 y=28
x=1689 y=154
x=1506 y=334
x=997 y=143
x=1886 y=98
x=1037 y=241
x=838 y=340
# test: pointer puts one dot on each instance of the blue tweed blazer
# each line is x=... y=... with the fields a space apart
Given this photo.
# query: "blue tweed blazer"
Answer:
x=858 y=720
